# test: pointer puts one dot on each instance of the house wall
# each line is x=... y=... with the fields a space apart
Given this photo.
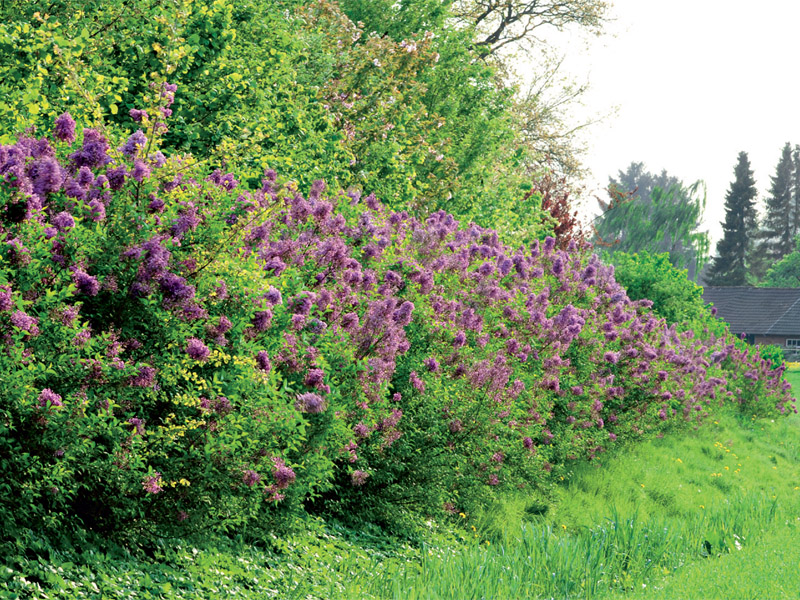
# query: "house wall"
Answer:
x=778 y=340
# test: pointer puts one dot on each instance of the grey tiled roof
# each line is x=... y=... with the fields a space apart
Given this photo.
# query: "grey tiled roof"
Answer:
x=774 y=311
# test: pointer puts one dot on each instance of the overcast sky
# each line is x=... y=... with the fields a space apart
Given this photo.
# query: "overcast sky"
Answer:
x=694 y=83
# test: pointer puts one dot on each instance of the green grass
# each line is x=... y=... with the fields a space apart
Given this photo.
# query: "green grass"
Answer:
x=670 y=509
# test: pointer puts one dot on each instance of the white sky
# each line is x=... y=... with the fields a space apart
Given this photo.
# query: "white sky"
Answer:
x=694 y=83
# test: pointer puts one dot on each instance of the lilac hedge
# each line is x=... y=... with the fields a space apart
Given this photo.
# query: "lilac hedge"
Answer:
x=185 y=350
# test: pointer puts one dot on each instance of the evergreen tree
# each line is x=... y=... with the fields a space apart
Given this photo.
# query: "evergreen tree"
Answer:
x=796 y=192
x=776 y=235
x=729 y=266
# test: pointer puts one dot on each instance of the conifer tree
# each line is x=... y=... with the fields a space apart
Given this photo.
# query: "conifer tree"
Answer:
x=776 y=234
x=729 y=266
x=796 y=192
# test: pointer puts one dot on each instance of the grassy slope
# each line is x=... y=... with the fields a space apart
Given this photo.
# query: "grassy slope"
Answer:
x=662 y=512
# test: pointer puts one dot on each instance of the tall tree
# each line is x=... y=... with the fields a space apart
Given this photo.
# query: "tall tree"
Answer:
x=654 y=213
x=729 y=266
x=776 y=234
x=796 y=192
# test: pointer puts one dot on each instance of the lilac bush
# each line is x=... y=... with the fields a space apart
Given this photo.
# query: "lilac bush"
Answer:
x=189 y=350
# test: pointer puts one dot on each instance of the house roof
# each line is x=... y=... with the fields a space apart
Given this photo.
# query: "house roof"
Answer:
x=761 y=311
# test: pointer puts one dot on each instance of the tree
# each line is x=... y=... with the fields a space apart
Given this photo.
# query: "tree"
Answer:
x=654 y=213
x=785 y=272
x=776 y=233
x=796 y=191
x=729 y=267
x=501 y=22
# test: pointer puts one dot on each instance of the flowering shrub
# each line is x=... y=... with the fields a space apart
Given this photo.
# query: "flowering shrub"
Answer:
x=180 y=349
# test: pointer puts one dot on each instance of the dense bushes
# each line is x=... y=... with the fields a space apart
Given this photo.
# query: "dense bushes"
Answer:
x=181 y=350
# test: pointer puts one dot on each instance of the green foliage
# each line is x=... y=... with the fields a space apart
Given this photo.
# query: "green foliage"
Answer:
x=294 y=86
x=786 y=272
x=653 y=277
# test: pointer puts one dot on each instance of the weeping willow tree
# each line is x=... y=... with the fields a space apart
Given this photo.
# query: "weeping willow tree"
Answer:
x=655 y=213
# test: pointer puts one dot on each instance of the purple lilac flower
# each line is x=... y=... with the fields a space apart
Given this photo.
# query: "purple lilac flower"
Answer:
x=416 y=382
x=310 y=403
x=72 y=189
x=350 y=322
x=152 y=483
x=85 y=283
x=116 y=177
x=65 y=128
x=187 y=221
x=137 y=114
x=431 y=364
x=298 y=322
x=263 y=362
x=359 y=477
x=175 y=288
x=611 y=357
x=98 y=210
x=138 y=425
x=158 y=159
x=82 y=337
x=314 y=378
x=141 y=171
x=94 y=152
x=262 y=320
x=47 y=176
x=197 y=350
x=49 y=396
x=85 y=177
x=273 y=296
x=25 y=322
x=250 y=478
x=402 y=315
x=274 y=266
x=6 y=303
x=459 y=340
x=284 y=476
x=136 y=142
